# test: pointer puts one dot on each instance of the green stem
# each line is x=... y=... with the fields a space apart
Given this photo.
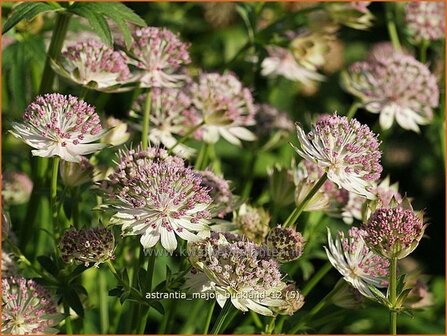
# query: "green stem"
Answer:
x=249 y=176
x=353 y=109
x=256 y=319
x=146 y=120
x=57 y=40
x=186 y=136
x=202 y=158
x=269 y=327
x=423 y=51
x=208 y=318
x=391 y=26
x=148 y=282
x=221 y=318
x=53 y=194
x=116 y=275
x=393 y=295
x=316 y=278
x=84 y=92
x=68 y=325
x=290 y=221
x=103 y=306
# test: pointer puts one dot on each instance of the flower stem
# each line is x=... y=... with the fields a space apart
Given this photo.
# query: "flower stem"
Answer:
x=202 y=158
x=391 y=26
x=83 y=94
x=103 y=306
x=423 y=51
x=57 y=40
x=353 y=109
x=316 y=278
x=53 y=194
x=290 y=221
x=222 y=317
x=68 y=325
x=270 y=326
x=146 y=120
x=208 y=318
x=393 y=295
x=186 y=136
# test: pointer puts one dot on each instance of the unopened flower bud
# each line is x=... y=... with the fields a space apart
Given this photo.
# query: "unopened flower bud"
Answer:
x=74 y=174
x=118 y=134
x=91 y=245
x=293 y=300
x=285 y=244
x=252 y=222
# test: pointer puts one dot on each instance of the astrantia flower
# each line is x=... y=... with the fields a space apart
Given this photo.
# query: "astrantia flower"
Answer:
x=159 y=54
x=16 y=188
x=74 y=174
x=309 y=49
x=171 y=115
x=252 y=222
x=398 y=87
x=92 y=64
x=57 y=125
x=353 y=14
x=356 y=262
x=425 y=20
x=281 y=62
x=225 y=106
x=157 y=197
x=285 y=244
x=345 y=149
x=384 y=193
x=239 y=271
x=90 y=245
x=330 y=197
x=27 y=308
x=220 y=192
x=394 y=232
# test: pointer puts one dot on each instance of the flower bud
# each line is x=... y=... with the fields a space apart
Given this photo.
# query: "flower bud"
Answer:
x=74 y=174
x=117 y=135
x=347 y=296
x=94 y=245
x=293 y=300
x=252 y=222
x=285 y=244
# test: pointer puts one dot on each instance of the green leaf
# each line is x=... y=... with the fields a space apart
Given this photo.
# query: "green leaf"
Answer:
x=379 y=296
x=156 y=305
x=48 y=265
x=70 y=296
x=141 y=279
x=402 y=297
x=400 y=283
x=96 y=20
x=117 y=291
x=27 y=11
x=124 y=12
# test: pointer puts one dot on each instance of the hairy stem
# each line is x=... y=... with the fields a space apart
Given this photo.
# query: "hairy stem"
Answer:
x=146 y=120
x=393 y=295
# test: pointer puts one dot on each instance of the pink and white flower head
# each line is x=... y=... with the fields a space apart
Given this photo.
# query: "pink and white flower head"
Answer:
x=270 y=121
x=171 y=115
x=252 y=223
x=397 y=86
x=92 y=64
x=157 y=197
x=330 y=197
x=238 y=270
x=395 y=232
x=356 y=205
x=220 y=192
x=225 y=106
x=16 y=188
x=58 y=125
x=27 y=308
x=425 y=20
x=358 y=265
x=345 y=149
x=160 y=55
x=281 y=62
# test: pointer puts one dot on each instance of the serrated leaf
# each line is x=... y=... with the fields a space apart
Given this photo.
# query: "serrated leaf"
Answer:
x=96 y=20
x=48 y=265
x=125 y=276
x=379 y=296
x=124 y=12
x=156 y=305
x=78 y=271
x=408 y=312
x=80 y=289
x=26 y=10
